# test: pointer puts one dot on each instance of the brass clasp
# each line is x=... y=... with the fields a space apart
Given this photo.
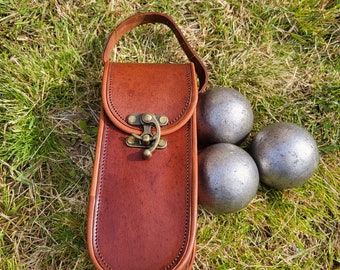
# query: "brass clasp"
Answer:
x=147 y=139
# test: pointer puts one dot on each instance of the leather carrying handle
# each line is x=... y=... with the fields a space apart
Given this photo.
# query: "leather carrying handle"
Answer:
x=156 y=17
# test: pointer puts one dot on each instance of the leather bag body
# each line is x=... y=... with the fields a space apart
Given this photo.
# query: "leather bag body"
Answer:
x=143 y=199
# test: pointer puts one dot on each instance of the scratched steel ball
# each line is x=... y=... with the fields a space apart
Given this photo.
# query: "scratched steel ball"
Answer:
x=228 y=178
x=223 y=116
x=286 y=155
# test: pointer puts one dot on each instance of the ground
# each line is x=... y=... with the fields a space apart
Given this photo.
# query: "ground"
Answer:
x=282 y=55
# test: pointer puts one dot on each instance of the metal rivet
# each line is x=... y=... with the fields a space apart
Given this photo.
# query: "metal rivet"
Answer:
x=132 y=119
x=147 y=117
x=163 y=120
x=146 y=139
x=162 y=142
x=131 y=140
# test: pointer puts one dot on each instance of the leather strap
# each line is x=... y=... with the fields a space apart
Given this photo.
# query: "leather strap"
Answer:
x=155 y=17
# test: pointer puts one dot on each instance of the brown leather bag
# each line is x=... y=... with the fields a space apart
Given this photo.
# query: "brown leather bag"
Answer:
x=143 y=199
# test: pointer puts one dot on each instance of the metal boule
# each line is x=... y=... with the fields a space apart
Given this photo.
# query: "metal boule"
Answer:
x=286 y=155
x=224 y=115
x=228 y=178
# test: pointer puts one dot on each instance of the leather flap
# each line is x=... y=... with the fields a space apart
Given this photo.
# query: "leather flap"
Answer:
x=165 y=89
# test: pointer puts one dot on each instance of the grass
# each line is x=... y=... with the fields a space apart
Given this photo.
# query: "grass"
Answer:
x=282 y=55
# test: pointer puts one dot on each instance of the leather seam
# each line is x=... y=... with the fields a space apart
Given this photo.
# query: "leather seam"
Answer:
x=110 y=96
x=102 y=168
x=187 y=103
x=103 y=162
x=187 y=212
x=115 y=112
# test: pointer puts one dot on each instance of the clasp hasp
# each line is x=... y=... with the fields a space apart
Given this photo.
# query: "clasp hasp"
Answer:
x=147 y=139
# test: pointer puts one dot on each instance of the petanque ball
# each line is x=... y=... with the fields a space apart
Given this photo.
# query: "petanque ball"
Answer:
x=223 y=116
x=286 y=155
x=228 y=178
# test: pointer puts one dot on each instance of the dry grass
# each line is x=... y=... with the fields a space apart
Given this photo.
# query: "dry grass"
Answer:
x=282 y=55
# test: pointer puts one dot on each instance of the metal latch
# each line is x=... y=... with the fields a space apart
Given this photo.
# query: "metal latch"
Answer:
x=147 y=139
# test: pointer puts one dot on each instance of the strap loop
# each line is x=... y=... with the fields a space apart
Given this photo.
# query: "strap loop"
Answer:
x=155 y=17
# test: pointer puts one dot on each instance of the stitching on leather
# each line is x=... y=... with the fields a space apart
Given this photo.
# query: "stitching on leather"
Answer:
x=102 y=168
x=187 y=103
x=187 y=166
x=187 y=199
x=187 y=211
x=110 y=95
x=184 y=110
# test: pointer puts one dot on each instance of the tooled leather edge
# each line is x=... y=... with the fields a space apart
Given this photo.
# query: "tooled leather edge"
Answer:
x=93 y=192
x=190 y=233
x=101 y=168
x=187 y=199
x=171 y=121
x=120 y=122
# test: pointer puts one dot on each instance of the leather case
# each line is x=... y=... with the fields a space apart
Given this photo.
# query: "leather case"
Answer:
x=143 y=198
